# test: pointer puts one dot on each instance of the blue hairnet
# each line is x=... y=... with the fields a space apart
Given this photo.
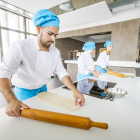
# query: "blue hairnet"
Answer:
x=45 y=17
x=108 y=43
x=89 y=46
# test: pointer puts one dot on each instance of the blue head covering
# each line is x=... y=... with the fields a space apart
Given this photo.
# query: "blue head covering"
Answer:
x=108 y=43
x=89 y=46
x=45 y=17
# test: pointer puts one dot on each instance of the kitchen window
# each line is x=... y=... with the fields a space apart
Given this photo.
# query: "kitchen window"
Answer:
x=15 y=25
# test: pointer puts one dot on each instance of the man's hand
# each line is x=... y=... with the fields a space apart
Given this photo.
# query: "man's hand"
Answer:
x=78 y=95
x=13 y=108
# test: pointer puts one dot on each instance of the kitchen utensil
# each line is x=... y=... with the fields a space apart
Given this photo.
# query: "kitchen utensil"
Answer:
x=62 y=119
x=117 y=74
x=109 y=96
x=117 y=92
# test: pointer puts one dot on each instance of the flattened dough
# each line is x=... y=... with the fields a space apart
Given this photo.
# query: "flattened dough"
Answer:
x=58 y=100
x=102 y=76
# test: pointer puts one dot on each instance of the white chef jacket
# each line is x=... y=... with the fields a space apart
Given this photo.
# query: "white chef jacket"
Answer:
x=103 y=59
x=85 y=63
x=31 y=68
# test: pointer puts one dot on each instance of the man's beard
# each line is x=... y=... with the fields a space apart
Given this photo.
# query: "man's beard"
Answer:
x=44 y=43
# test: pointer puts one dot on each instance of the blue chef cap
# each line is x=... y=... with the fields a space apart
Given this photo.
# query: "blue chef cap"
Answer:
x=108 y=43
x=45 y=17
x=89 y=46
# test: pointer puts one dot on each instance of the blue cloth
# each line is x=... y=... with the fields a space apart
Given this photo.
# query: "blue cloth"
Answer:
x=103 y=94
x=23 y=94
x=89 y=46
x=101 y=69
x=45 y=17
x=81 y=76
x=108 y=43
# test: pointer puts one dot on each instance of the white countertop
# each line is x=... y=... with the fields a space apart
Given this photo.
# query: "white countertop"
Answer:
x=112 y=63
x=122 y=116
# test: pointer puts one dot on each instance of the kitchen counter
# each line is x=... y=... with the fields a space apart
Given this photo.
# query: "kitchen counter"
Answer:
x=122 y=116
x=113 y=63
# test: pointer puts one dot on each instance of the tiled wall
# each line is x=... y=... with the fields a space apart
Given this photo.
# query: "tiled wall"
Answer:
x=72 y=70
x=125 y=40
x=66 y=45
x=98 y=46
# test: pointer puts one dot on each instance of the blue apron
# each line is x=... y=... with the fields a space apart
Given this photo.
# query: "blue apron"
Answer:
x=23 y=94
x=81 y=76
x=101 y=69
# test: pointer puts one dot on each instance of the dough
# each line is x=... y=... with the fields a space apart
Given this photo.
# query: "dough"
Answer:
x=101 y=76
x=58 y=100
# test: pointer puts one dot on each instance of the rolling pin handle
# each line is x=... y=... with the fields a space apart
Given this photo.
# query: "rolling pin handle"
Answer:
x=99 y=125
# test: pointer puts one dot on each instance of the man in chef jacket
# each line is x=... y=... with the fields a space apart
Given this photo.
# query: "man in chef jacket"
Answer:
x=31 y=63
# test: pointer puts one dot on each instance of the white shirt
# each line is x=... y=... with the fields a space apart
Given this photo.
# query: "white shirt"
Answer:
x=31 y=68
x=103 y=59
x=85 y=63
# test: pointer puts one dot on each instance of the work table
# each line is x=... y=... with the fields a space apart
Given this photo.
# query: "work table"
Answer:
x=130 y=64
x=122 y=116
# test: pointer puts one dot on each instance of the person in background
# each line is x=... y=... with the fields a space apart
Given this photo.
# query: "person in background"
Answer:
x=103 y=59
x=86 y=66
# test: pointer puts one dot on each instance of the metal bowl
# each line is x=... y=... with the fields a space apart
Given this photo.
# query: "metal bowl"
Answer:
x=117 y=92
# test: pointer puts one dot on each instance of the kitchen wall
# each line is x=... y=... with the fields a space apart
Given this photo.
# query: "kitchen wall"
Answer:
x=98 y=46
x=72 y=70
x=68 y=44
x=123 y=34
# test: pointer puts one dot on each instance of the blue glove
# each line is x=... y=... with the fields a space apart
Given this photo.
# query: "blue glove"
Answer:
x=103 y=94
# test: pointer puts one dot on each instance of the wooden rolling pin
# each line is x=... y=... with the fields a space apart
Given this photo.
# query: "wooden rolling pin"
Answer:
x=62 y=119
x=117 y=74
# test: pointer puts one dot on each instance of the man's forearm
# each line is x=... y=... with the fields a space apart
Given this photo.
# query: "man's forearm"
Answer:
x=67 y=81
x=5 y=88
x=76 y=94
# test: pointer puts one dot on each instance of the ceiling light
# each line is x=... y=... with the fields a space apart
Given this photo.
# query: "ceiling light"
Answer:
x=66 y=6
